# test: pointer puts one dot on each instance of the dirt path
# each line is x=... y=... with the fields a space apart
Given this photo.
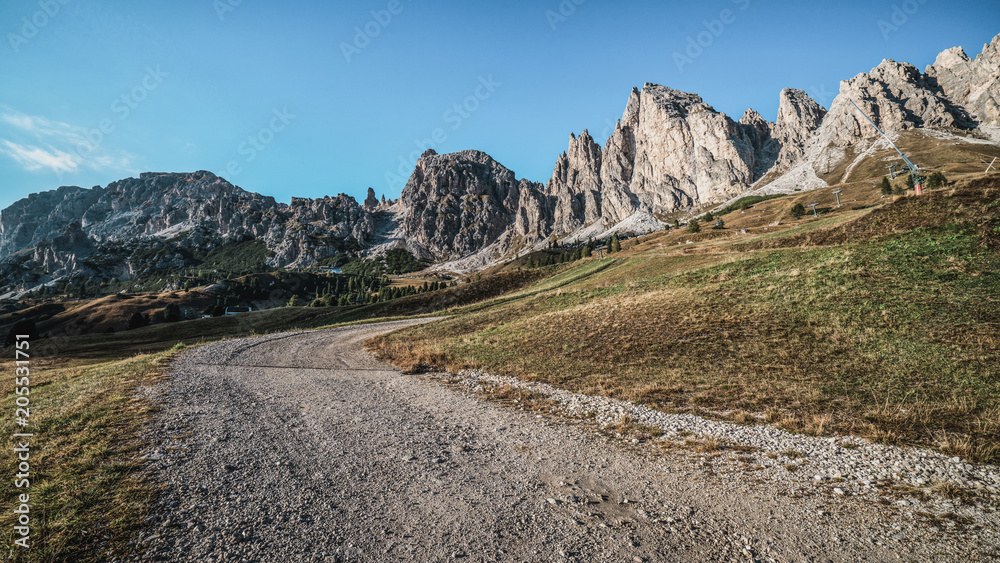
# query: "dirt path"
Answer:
x=300 y=447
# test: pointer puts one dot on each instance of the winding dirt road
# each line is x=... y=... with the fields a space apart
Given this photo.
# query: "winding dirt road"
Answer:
x=301 y=447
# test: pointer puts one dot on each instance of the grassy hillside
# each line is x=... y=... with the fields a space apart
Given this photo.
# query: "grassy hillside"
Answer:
x=880 y=321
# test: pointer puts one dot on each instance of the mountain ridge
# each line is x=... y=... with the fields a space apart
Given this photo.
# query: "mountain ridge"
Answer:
x=670 y=154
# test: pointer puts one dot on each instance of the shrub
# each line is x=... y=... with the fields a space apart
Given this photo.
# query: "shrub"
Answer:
x=138 y=320
x=693 y=227
x=172 y=313
x=937 y=180
x=798 y=210
x=616 y=244
x=719 y=224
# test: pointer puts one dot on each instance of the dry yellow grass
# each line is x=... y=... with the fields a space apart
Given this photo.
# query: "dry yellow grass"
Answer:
x=874 y=335
x=88 y=492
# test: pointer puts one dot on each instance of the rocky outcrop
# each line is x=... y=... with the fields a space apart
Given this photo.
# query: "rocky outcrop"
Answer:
x=30 y=220
x=759 y=133
x=157 y=202
x=371 y=202
x=457 y=204
x=896 y=96
x=575 y=186
x=799 y=117
x=687 y=154
x=670 y=151
x=65 y=250
x=312 y=229
x=973 y=84
x=161 y=206
x=618 y=165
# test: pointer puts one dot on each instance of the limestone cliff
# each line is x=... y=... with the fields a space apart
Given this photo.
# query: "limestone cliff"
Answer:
x=972 y=83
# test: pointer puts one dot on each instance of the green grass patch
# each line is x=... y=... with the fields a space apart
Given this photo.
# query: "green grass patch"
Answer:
x=88 y=494
x=747 y=202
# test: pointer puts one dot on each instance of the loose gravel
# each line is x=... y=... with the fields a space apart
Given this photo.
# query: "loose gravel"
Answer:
x=301 y=447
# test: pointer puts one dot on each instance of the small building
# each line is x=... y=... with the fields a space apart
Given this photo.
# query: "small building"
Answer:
x=237 y=310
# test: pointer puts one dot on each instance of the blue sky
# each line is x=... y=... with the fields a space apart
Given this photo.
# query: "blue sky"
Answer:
x=309 y=98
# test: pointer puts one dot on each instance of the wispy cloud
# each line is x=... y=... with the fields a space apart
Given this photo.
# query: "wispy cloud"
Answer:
x=35 y=158
x=41 y=126
x=41 y=144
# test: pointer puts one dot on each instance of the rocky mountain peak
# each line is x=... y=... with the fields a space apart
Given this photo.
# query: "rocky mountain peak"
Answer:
x=950 y=58
x=686 y=152
x=753 y=119
x=584 y=153
x=797 y=111
x=456 y=204
x=576 y=184
x=671 y=102
x=799 y=117
x=371 y=202
x=973 y=84
x=894 y=95
x=630 y=118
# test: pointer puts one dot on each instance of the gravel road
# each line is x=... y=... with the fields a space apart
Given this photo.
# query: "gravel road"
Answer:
x=301 y=447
